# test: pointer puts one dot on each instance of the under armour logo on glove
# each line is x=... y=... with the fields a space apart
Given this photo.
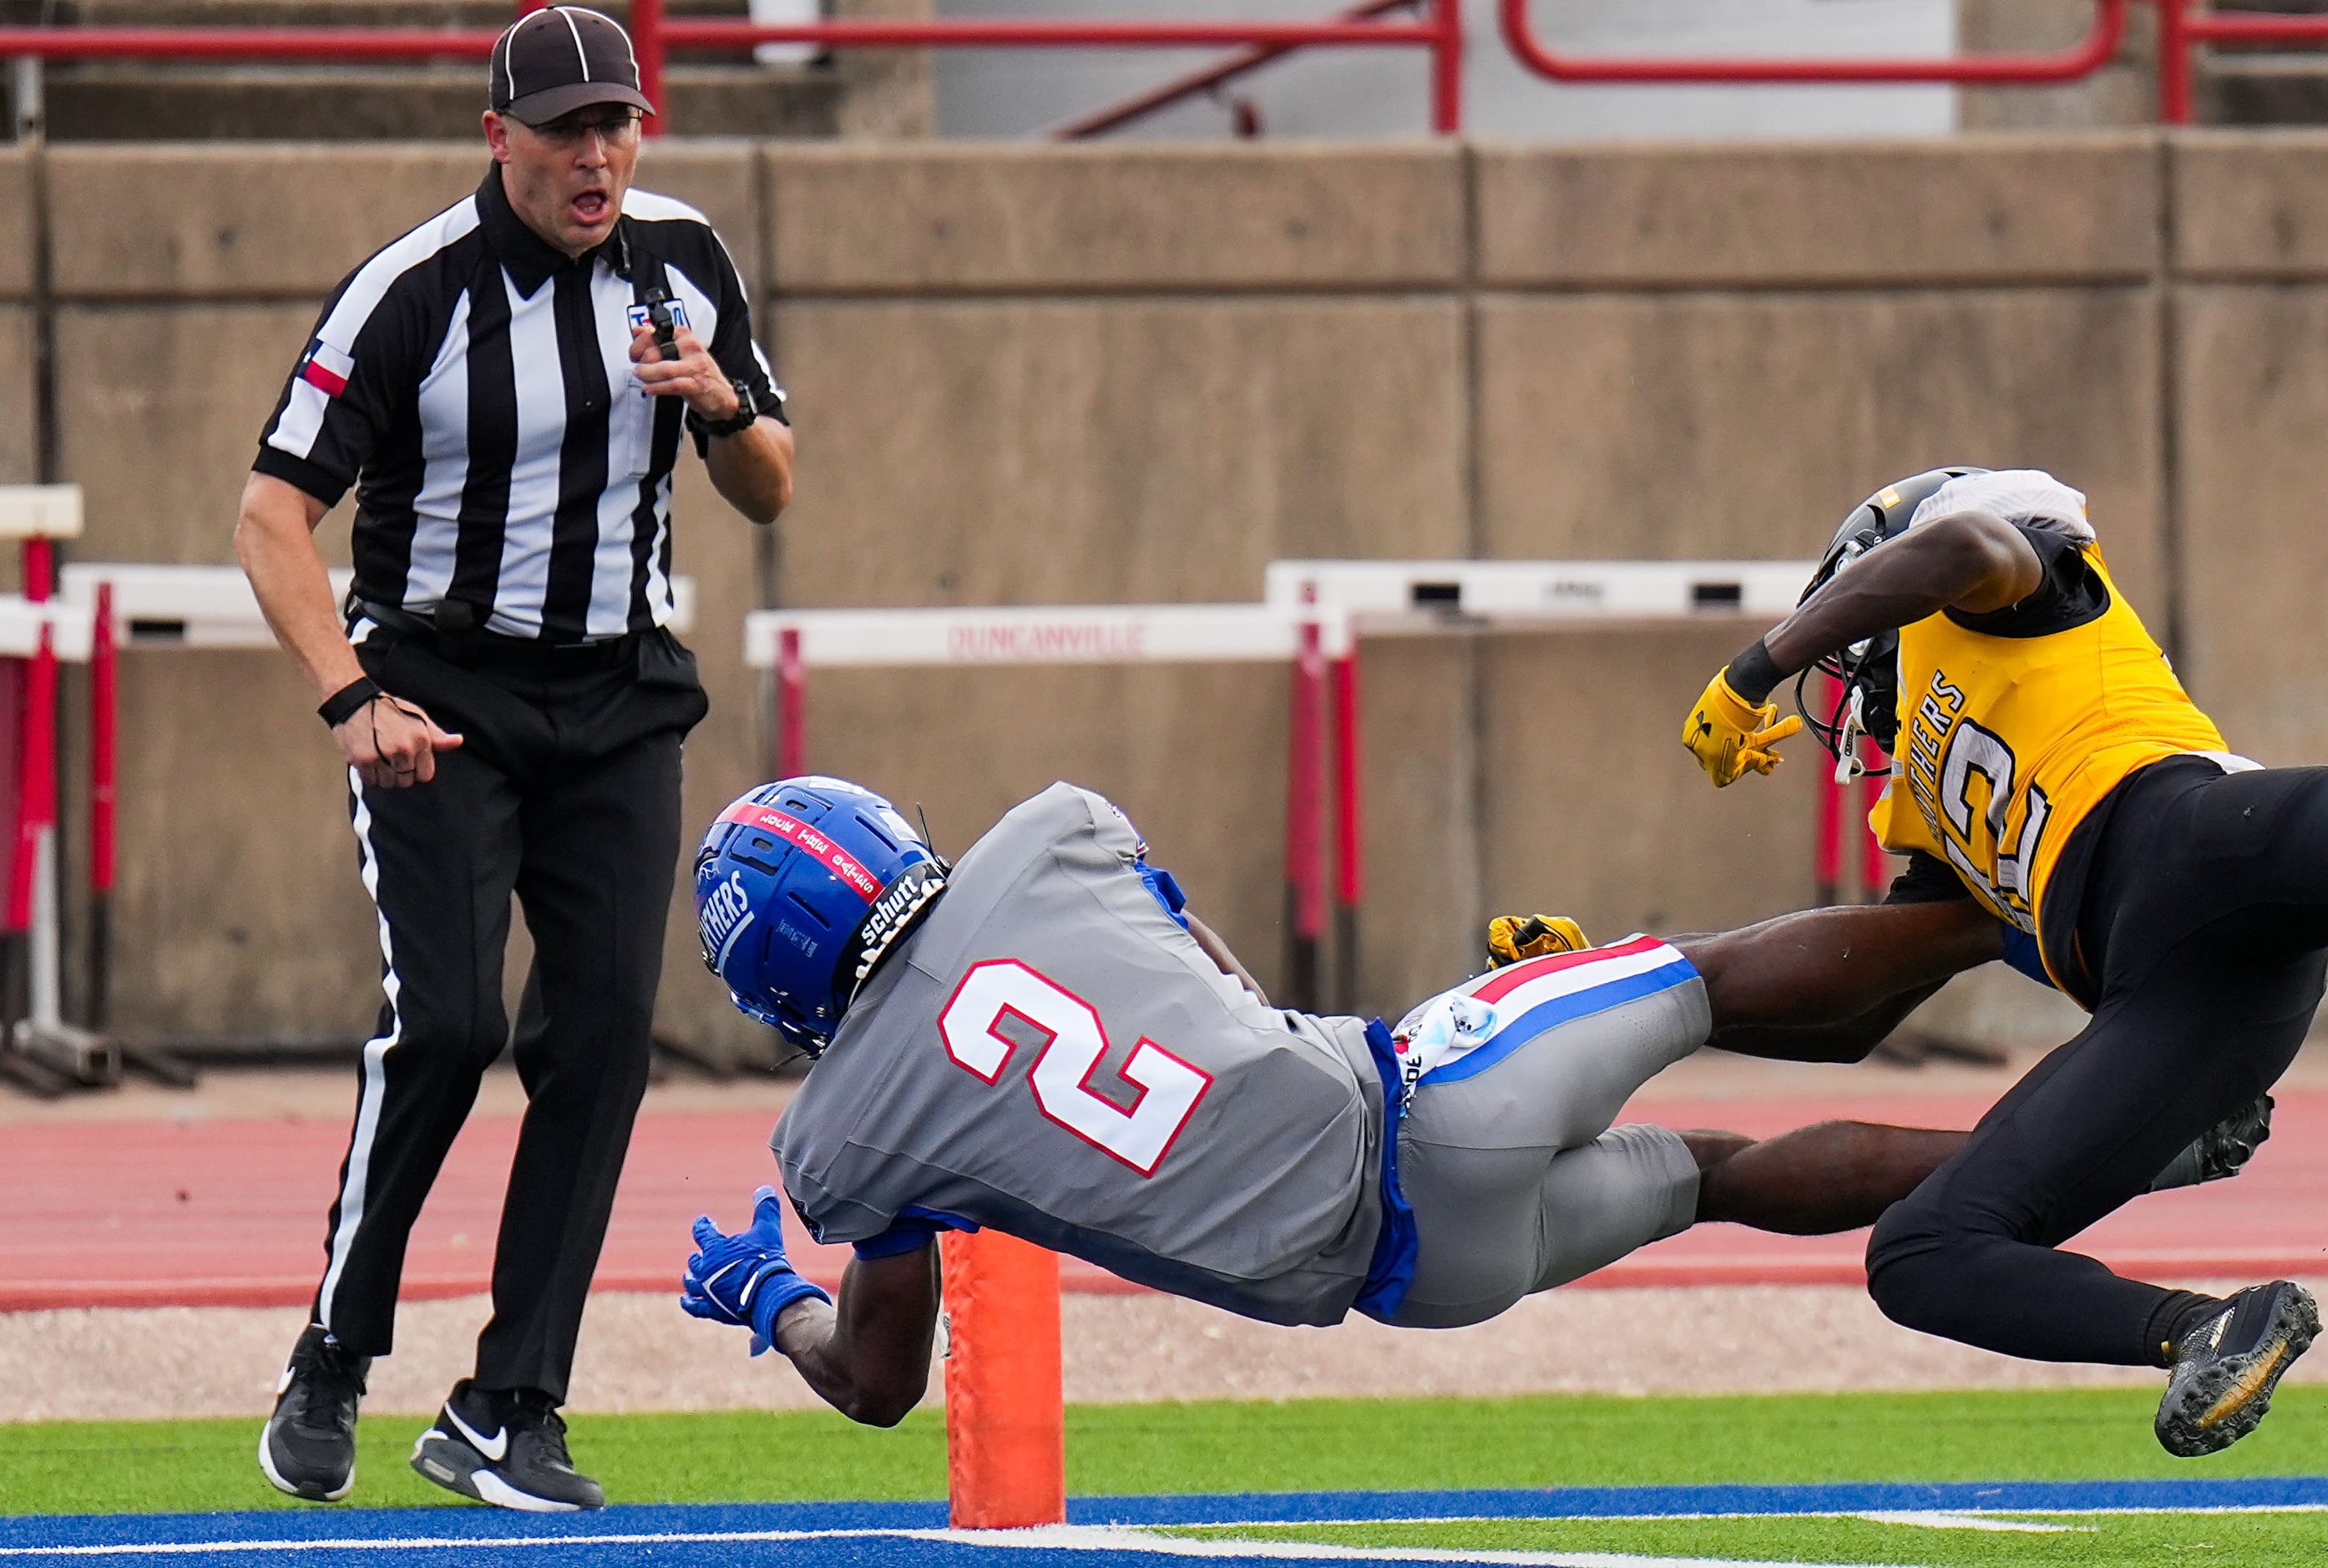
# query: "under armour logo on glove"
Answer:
x=1731 y=737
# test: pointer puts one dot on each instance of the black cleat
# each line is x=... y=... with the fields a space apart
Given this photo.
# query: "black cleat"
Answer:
x=308 y=1447
x=2226 y=1368
x=2222 y=1150
x=507 y=1449
x=2227 y=1146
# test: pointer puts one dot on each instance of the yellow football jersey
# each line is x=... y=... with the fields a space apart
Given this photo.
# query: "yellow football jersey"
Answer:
x=2005 y=743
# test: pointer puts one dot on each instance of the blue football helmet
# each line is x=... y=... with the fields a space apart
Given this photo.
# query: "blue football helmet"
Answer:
x=800 y=887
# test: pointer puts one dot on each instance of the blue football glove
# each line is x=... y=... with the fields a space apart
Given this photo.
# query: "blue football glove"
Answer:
x=745 y=1278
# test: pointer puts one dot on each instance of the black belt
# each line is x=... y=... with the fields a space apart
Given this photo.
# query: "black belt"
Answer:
x=472 y=646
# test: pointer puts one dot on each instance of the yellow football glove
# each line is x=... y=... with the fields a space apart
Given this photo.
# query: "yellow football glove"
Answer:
x=1512 y=938
x=1728 y=736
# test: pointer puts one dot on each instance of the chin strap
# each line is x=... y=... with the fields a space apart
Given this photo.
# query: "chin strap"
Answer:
x=1847 y=766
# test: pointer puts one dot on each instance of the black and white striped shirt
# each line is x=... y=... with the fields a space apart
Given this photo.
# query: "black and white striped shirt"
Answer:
x=475 y=386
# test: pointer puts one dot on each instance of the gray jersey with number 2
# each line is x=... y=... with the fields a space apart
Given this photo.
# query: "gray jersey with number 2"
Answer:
x=1050 y=1054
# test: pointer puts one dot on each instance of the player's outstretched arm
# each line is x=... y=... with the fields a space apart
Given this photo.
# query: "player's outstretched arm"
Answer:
x=1828 y=985
x=868 y=1357
x=1970 y=562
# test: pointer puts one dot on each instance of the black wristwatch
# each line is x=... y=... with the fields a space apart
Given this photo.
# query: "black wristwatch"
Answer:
x=745 y=417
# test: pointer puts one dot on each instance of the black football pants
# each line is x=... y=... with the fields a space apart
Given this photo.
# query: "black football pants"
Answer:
x=566 y=793
x=2205 y=920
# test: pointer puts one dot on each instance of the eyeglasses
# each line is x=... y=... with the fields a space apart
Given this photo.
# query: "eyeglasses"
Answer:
x=568 y=131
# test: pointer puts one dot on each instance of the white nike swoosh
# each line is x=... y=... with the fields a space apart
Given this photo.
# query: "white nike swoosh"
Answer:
x=496 y=1450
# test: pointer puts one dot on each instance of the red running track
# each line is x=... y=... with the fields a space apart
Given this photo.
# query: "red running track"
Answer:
x=231 y=1212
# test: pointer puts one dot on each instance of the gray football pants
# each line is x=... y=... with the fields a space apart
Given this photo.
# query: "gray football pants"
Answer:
x=1517 y=1179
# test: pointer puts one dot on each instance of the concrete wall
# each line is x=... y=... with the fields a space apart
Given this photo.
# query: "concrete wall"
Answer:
x=1038 y=375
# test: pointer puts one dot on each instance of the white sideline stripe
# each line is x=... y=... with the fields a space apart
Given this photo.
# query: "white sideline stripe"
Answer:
x=1043 y=1538
x=1933 y=1519
x=1102 y=1538
x=375 y=1061
x=1124 y=1538
x=1884 y=1515
x=1922 y=1516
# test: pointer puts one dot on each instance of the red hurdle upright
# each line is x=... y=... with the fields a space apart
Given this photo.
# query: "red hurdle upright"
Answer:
x=1349 y=840
x=104 y=718
x=792 y=707
x=1831 y=808
x=1838 y=813
x=1305 y=810
x=36 y=794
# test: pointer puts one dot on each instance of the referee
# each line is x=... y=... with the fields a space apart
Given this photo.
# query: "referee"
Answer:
x=507 y=388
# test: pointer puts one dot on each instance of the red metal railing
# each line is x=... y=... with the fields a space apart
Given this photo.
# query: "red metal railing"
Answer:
x=2099 y=47
x=1211 y=76
x=2182 y=26
x=365 y=43
x=1439 y=31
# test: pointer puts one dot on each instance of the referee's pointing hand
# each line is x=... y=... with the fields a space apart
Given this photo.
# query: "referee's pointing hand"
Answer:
x=695 y=376
x=391 y=744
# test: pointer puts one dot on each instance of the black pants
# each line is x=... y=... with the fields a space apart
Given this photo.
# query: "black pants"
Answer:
x=565 y=792
x=2204 y=923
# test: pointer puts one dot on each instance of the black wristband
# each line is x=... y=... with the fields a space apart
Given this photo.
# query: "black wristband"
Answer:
x=348 y=701
x=746 y=416
x=1754 y=675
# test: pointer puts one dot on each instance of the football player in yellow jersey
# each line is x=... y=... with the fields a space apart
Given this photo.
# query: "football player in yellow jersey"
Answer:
x=2052 y=782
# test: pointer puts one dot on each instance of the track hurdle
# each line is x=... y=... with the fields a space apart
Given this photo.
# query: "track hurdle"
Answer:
x=785 y=645
x=1438 y=598
x=91 y=612
x=1340 y=602
x=37 y=631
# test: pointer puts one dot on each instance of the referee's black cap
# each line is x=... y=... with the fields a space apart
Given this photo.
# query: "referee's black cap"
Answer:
x=556 y=60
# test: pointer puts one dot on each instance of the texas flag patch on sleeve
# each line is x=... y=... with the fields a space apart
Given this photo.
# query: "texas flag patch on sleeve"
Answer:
x=326 y=369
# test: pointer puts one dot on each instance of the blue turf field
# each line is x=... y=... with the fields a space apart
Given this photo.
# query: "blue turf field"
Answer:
x=913 y=1534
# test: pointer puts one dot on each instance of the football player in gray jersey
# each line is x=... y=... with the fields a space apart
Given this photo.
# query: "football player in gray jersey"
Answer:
x=1043 y=1039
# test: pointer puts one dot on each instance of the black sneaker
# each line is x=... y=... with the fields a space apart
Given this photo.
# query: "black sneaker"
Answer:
x=2226 y=1368
x=308 y=1447
x=2222 y=1149
x=507 y=1449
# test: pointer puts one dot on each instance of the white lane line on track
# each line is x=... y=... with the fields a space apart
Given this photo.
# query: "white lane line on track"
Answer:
x=1050 y=1538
